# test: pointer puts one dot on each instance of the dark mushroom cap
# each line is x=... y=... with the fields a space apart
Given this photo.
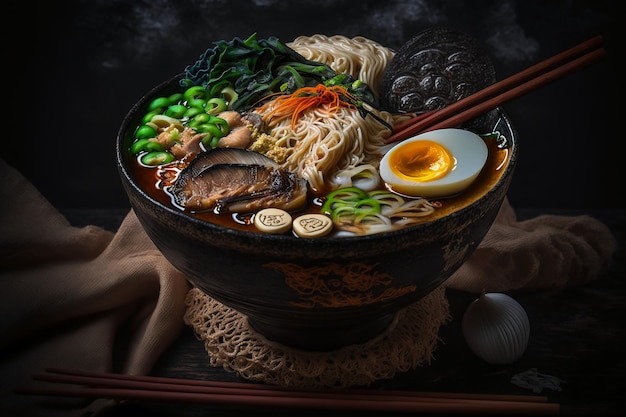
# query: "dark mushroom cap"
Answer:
x=433 y=69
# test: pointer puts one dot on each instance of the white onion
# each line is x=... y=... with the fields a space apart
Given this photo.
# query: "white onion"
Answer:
x=496 y=328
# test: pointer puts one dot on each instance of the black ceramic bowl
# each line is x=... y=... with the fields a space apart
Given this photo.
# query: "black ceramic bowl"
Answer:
x=316 y=294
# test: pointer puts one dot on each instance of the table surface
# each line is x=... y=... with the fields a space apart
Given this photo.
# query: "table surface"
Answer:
x=577 y=335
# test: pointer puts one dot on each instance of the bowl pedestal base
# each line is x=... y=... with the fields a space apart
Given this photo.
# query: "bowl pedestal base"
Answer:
x=232 y=344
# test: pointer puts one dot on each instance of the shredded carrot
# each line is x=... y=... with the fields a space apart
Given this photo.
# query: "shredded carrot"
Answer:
x=307 y=98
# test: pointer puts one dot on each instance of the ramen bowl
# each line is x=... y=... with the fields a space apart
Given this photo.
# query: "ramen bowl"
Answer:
x=314 y=294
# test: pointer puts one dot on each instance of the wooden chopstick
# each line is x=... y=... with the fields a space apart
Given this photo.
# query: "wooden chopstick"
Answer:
x=497 y=94
x=148 y=388
x=107 y=378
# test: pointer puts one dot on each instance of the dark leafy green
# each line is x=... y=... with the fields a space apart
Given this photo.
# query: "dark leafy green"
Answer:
x=254 y=69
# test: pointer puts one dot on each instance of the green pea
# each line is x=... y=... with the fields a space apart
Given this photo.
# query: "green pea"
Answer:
x=215 y=106
x=176 y=110
x=145 y=131
x=157 y=158
x=159 y=102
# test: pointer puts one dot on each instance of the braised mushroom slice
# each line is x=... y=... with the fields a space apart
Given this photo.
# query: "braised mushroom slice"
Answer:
x=215 y=182
x=278 y=188
x=228 y=156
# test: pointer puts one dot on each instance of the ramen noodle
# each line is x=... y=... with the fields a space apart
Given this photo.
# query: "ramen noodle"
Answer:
x=360 y=57
x=325 y=148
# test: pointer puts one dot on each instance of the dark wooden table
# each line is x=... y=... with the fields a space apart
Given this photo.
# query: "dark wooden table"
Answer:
x=577 y=335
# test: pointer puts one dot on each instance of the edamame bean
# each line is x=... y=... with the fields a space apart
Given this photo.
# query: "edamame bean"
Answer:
x=196 y=103
x=210 y=128
x=192 y=111
x=160 y=102
x=214 y=141
x=145 y=131
x=176 y=110
x=201 y=118
x=145 y=145
x=138 y=145
x=148 y=117
x=157 y=158
x=175 y=98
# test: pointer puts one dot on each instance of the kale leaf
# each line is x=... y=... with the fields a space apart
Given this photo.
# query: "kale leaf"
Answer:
x=255 y=69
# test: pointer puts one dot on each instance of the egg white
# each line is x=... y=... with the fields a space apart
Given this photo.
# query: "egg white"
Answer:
x=470 y=155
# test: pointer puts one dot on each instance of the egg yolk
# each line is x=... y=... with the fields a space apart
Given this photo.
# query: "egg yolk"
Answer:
x=421 y=160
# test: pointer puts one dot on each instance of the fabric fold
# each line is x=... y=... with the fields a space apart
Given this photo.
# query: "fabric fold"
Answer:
x=70 y=294
x=544 y=253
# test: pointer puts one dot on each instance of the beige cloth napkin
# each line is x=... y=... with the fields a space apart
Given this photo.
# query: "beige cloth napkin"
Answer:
x=70 y=296
x=68 y=292
x=548 y=252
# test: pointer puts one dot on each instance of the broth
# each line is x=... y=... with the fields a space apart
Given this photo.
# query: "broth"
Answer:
x=328 y=138
x=498 y=157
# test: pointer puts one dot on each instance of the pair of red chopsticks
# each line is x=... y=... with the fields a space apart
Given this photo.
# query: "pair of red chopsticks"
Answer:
x=161 y=389
x=495 y=95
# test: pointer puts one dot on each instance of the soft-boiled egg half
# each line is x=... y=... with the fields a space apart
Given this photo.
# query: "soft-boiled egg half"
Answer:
x=434 y=164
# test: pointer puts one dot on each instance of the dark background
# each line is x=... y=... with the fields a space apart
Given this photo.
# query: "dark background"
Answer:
x=76 y=67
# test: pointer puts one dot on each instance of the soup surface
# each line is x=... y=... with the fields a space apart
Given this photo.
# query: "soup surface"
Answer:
x=323 y=135
x=149 y=179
